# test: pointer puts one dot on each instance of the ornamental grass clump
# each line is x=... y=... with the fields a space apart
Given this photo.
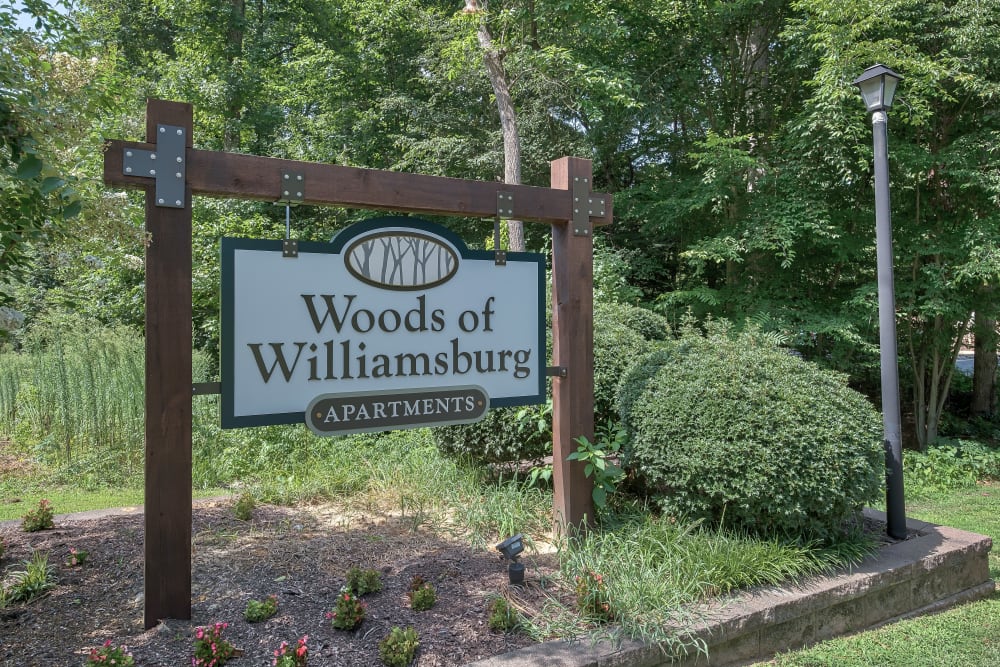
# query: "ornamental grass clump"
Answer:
x=110 y=655
x=40 y=518
x=398 y=647
x=348 y=612
x=261 y=610
x=210 y=649
x=34 y=581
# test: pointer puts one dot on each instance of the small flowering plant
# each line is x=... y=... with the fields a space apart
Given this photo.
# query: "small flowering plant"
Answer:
x=348 y=612
x=210 y=649
x=286 y=656
x=592 y=597
x=77 y=557
x=261 y=610
x=40 y=518
x=110 y=655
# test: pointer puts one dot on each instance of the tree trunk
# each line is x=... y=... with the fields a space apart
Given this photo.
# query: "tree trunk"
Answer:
x=508 y=125
x=984 y=369
x=234 y=83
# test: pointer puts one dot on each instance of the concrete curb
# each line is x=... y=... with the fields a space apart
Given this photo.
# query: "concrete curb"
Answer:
x=935 y=568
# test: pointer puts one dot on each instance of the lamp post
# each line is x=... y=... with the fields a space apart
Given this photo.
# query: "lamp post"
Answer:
x=878 y=85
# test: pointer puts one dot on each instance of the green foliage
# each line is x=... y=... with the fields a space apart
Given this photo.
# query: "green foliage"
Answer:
x=592 y=597
x=244 y=506
x=672 y=565
x=110 y=655
x=622 y=333
x=422 y=594
x=261 y=610
x=735 y=431
x=597 y=464
x=502 y=616
x=77 y=557
x=23 y=586
x=39 y=518
x=399 y=647
x=348 y=611
x=946 y=467
x=210 y=647
x=286 y=656
x=362 y=582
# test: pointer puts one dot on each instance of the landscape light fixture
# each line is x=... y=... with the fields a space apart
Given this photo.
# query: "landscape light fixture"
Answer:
x=878 y=85
x=511 y=549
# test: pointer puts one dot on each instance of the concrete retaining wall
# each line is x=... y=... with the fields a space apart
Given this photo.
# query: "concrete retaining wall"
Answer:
x=935 y=568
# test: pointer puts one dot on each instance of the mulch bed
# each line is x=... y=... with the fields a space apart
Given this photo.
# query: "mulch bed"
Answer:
x=300 y=554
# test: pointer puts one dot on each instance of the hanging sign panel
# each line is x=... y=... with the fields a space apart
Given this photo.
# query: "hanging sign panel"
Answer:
x=394 y=324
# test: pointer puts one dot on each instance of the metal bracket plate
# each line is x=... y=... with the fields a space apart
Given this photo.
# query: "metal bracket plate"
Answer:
x=505 y=209
x=293 y=187
x=556 y=371
x=206 y=388
x=166 y=165
x=585 y=206
x=290 y=248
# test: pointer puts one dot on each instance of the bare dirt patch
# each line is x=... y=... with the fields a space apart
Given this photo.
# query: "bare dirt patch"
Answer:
x=299 y=554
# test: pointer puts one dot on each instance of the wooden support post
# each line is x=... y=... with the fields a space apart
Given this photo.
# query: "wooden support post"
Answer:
x=572 y=348
x=168 y=390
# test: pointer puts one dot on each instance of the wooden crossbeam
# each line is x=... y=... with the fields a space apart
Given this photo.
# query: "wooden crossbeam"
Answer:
x=217 y=174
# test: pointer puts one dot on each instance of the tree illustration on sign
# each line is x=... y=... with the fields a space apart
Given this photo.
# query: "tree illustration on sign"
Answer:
x=403 y=260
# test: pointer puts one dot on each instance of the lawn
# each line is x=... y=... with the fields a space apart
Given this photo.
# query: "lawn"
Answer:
x=965 y=636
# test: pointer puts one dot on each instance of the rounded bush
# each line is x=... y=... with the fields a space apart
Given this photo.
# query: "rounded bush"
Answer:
x=514 y=434
x=733 y=430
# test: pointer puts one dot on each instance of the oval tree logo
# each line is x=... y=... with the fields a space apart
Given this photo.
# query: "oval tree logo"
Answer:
x=401 y=260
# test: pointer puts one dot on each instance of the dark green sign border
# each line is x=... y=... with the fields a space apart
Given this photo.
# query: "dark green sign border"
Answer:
x=335 y=246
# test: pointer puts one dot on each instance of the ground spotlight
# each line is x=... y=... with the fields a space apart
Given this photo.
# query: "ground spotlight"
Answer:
x=511 y=549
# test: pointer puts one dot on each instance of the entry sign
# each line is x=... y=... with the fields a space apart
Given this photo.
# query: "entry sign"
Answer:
x=393 y=324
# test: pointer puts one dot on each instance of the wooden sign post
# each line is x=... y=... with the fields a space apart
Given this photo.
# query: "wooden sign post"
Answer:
x=171 y=171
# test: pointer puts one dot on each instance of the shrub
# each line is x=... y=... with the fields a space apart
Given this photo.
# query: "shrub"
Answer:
x=110 y=655
x=244 y=506
x=286 y=656
x=210 y=649
x=503 y=617
x=261 y=610
x=622 y=334
x=362 y=582
x=949 y=465
x=348 y=612
x=731 y=429
x=398 y=647
x=422 y=594
x=40 y=518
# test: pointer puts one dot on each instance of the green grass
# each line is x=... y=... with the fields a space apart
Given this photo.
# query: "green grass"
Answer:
x=66 y=500
x=966 y=636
